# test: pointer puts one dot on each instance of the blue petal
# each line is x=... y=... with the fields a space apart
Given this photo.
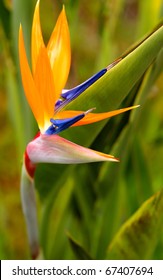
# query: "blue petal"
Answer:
x=62 y=124
x=71 y=94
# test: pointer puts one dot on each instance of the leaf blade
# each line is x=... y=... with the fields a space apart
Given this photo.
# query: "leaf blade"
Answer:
x=132 y=240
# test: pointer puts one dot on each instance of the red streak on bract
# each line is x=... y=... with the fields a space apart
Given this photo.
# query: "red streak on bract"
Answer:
x=30 y=166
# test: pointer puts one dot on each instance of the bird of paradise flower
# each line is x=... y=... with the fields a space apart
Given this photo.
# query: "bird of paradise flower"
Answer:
x=45 y=93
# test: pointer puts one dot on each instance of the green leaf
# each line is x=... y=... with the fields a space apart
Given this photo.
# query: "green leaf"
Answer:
x=22 y=13
x=14 y=107
x=112 y=204
x=138 y=237
x=4 y=18
x=149 y=13
x=78 y=250
x=141 y=177
x=53 y=216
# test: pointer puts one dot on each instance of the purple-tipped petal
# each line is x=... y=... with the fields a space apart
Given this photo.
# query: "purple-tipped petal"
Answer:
x=69 y=95
x=54 y=149
x=59 y=125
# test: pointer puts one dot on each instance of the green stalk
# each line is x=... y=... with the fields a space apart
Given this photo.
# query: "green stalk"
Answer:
x=28 y=200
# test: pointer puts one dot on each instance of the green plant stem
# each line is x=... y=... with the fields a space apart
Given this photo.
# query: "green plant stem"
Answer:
x=29 y=209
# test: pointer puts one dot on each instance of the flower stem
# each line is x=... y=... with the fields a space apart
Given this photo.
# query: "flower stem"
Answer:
x=29 y=209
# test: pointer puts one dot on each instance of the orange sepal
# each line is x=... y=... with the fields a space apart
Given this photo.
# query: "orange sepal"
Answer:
x=59 y=52
x=36 y=37
x=45 y=85
x=92 y=117
x=30 y=89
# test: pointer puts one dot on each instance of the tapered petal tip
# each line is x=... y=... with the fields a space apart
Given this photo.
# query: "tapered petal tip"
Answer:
x=63 y=9
x=20 y=33
x=63 y=14
x=59 y=52
x=136 y=106
x=37 y=11
x=20 y=27
x=109 y=157
x=37 y=6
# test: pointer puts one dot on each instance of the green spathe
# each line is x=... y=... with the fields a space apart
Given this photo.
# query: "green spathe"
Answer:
x=110 y=90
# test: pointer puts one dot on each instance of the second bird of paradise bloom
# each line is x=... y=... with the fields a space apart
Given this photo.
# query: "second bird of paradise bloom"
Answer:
x=45 y=93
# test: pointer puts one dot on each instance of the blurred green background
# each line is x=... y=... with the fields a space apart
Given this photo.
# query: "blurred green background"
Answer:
x=100 y=32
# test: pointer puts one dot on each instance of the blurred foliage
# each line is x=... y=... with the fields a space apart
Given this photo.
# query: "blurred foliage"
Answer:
x=87 y=211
